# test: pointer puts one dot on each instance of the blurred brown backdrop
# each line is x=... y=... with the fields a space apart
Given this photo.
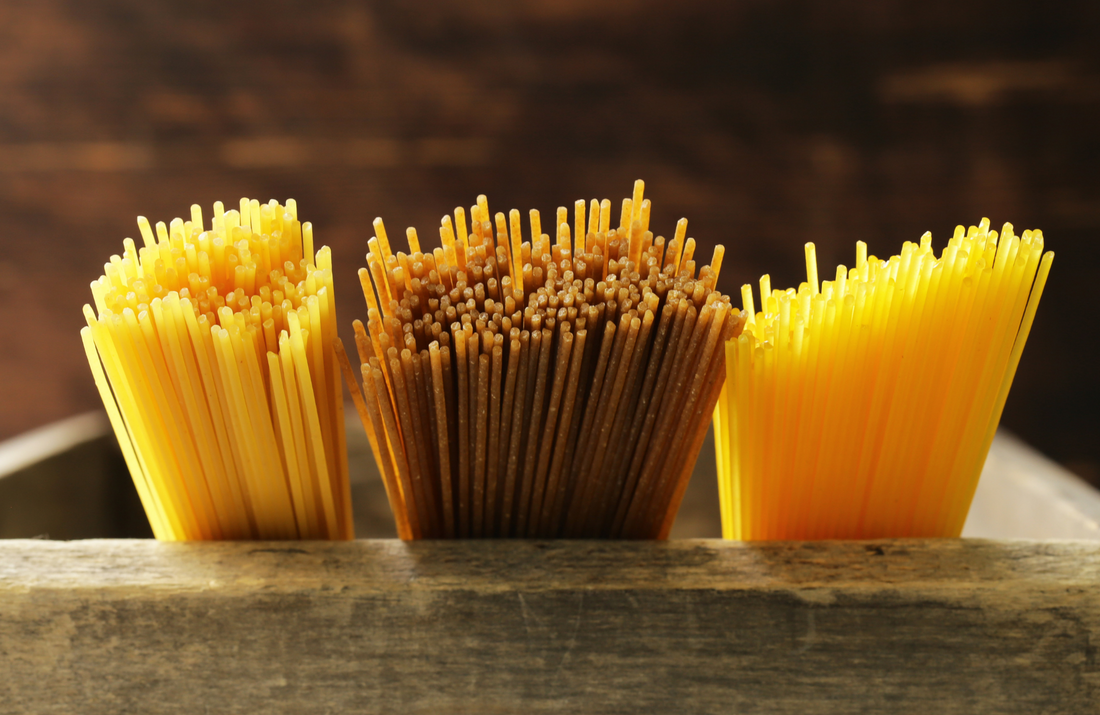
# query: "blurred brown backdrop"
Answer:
x=767 y=124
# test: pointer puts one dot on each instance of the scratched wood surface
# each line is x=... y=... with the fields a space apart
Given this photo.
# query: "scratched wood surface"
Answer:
x=766 y=124
x=950 y=626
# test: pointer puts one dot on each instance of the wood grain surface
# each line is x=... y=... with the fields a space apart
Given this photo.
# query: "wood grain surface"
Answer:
x=949 y=626
x=68 y=481
x=765 y=124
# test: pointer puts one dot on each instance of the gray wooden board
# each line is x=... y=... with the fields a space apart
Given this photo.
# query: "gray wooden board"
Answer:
x=68 y=481
x=689 y=626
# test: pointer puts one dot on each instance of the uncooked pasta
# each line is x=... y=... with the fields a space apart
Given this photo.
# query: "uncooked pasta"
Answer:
x=864 y=406
x=214 y=353
x=523 y=384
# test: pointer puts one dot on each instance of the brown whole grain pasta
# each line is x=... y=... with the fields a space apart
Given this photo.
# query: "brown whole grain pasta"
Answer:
x=540 y=386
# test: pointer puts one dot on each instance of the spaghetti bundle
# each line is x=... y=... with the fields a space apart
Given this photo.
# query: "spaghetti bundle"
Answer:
x=213 y=351
x=544 y=387
x=865 y=406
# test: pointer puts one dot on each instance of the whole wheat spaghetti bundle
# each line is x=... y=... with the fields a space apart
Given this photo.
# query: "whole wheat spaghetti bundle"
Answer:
x=555 y=386
x=213 y=351
x=864 y=407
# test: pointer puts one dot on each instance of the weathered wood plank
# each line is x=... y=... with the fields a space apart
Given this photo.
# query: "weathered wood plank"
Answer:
x=1024 y=495
x=692 y=626
x=70 y=483
x=67 y=480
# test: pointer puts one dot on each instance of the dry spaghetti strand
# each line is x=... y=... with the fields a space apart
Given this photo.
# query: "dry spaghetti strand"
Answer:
x=214 y=350
x=864 y=406
x=552 y=356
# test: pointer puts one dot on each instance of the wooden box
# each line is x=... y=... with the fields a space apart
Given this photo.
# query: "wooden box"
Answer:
x=690 y=625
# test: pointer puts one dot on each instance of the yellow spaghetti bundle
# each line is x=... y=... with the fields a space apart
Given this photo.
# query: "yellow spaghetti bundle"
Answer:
x=865 y=406
x=543 y=387
x=213 y=351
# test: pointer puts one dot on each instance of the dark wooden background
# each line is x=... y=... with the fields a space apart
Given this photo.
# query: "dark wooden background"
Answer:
x=767 y=124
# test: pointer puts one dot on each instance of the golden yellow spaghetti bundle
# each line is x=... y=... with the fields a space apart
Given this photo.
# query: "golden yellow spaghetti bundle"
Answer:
x=213 y=351
x=865 y=407
x=540 y=388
